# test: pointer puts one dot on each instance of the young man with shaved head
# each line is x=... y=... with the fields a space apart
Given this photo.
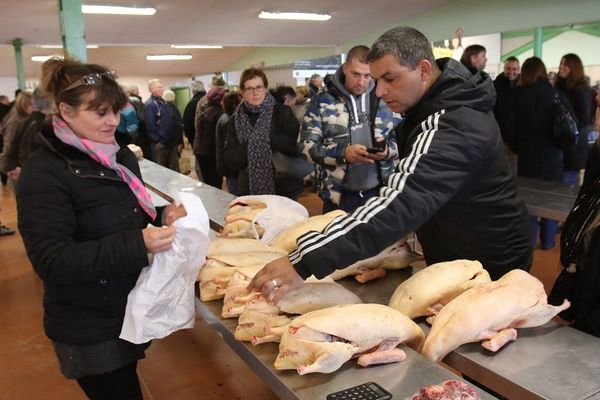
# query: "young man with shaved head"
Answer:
x=347 y=132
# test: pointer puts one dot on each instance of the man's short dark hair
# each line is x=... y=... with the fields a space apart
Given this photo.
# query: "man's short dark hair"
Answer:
x=469 y=52
x=407 y=45
x=358 y=53
x=511 y=59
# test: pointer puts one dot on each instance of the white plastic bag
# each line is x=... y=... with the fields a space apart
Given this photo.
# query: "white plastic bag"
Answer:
x=281 y=212
x=162 y=300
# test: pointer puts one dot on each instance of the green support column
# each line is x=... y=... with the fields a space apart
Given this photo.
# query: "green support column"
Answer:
x=19 y=60
x=72 y=28
x=538 y=41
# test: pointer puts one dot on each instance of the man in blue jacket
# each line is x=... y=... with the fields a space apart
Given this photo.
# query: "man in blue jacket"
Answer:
x=161 y=128
x=453 y=185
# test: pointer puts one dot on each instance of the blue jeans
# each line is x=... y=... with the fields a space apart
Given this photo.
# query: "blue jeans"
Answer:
x=547 y=228
x=571 y=177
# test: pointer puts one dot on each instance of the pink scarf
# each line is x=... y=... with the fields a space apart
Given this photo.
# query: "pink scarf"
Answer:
x=105 y=154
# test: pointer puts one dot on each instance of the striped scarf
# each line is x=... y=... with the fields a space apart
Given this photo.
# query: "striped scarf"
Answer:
x=260 y=158
x=105 y=154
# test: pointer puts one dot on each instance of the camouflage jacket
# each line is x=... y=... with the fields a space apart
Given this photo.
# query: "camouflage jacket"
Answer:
x=325 y=134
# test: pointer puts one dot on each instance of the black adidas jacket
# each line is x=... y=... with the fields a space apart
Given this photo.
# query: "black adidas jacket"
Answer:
x=453 y=187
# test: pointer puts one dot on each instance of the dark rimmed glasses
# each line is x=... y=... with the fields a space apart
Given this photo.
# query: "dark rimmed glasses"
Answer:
x=91 y=79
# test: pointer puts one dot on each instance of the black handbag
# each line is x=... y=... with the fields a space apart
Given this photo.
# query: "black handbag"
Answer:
x=293 y=167
x=564 y=129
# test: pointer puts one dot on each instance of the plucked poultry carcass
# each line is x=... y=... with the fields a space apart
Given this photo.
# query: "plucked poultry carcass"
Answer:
x=428 y=290
x=224 y=256
x=312 y=295
x=397 y=256
x=236 y=296
x=240 y=219
x=261 y=322
x=287 y=238
x=490 y=313
x=321 y=341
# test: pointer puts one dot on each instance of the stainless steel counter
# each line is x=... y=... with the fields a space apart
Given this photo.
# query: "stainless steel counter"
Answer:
x=166 y=183
x=547 y=199
x=401 y=379
x=548 y=362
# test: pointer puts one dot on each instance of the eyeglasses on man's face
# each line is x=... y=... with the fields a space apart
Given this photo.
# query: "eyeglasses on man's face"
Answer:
x=257 y=89
x=91 y=79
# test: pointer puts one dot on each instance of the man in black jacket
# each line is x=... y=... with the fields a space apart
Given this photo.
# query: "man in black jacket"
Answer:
x=453 y=185
x=505 y=84
x=189 y=114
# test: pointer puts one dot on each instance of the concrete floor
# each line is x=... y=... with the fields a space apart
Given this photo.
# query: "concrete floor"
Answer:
x=190 y=364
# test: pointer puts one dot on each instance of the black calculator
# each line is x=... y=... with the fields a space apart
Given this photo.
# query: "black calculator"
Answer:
x=365 y=391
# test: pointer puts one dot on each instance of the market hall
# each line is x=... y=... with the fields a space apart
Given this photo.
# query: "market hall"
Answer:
x=245 y=371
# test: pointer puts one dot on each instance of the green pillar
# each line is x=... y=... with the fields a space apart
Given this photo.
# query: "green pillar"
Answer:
x=19 y=60
x=538 y=41
x=72 y=28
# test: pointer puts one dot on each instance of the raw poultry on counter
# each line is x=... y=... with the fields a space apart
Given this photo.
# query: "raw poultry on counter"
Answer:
x=321 y=341
x=457 y=296
x=490 y=313
x=261 y=322
x=427 y=291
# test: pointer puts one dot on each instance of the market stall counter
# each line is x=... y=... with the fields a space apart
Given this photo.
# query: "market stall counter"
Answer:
x=548 y=362
x=401 y=379
x=547 y=199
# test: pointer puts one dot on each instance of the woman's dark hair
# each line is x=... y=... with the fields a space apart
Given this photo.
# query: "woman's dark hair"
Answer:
x=252 y=73
x=281 y=92
x=469 y=52
x=231 y=101
x=58 y=75
x=576 y=75
x=532 y=71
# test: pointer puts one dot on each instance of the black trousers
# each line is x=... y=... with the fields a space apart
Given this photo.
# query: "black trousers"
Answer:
x=121 y=384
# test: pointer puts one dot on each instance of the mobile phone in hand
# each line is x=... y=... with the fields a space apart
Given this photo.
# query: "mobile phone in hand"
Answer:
x=373 y=150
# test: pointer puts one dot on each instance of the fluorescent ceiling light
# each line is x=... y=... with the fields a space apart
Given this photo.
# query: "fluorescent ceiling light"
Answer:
x=59 y=46
x=168 y=57
x=194 y=46
x=116 y=10
x=43 y=58
x=294 y=15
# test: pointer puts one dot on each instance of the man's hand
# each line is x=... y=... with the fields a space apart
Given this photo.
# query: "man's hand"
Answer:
x=357 y=153
x=382 y=155
x=158 y=239
x=172 y=212
x=275 y=280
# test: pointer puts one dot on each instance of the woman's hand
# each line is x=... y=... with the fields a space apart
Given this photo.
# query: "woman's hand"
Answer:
x=172 y=212
x=158 y=239
x=276 y=279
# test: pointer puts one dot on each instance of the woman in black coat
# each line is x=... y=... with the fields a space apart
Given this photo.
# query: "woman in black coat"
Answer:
x=531 y=138
x=83 y=214
x=259 y=127
x=571 y=81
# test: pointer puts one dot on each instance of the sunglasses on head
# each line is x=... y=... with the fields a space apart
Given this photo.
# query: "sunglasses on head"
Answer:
x=91 y=79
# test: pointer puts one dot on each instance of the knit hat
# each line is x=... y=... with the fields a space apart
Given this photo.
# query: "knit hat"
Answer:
x=218 y=80
x=215 y=94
